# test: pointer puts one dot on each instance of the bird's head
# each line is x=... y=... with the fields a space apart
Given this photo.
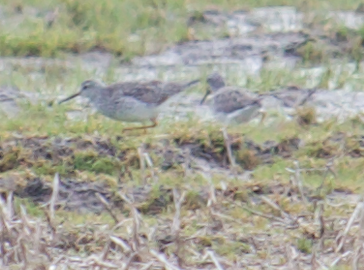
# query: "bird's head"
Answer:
x=88 y=89
x=215 y=82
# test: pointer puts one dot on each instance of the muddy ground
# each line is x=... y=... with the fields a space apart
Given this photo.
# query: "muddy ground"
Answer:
x=193 y=155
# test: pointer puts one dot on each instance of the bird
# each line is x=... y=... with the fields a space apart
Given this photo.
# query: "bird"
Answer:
x=230 y=104
x=133 y=101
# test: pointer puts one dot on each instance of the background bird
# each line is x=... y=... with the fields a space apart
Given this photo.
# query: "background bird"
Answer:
x=231 y=105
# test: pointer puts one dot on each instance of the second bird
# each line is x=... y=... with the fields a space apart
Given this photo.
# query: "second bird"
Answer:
x=130 y=101
x=229 y=104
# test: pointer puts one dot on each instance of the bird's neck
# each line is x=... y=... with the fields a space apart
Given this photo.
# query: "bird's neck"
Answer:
x=94 y=94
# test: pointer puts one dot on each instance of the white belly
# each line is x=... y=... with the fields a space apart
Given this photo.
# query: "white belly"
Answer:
x=129 y=110
x=138 y=115
x=239 y=116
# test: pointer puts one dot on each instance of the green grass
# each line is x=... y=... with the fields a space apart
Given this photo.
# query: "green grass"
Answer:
x=44 y=120
x=85 y=25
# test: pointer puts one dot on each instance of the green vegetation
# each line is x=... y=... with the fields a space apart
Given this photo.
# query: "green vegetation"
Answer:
x=125 y=28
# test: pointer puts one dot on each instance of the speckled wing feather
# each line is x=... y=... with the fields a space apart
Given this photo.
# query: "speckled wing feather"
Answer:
x=232 y=100
x=148 y=92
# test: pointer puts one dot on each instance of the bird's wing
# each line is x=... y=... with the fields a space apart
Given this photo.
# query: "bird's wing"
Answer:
x=231 y=100
x=150 y=92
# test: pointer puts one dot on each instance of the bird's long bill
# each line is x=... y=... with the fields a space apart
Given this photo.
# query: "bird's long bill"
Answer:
x=71 y=97
x=204 y=97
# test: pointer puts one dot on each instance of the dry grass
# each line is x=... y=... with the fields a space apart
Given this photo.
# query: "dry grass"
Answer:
x=153 y=221
x=288 y=229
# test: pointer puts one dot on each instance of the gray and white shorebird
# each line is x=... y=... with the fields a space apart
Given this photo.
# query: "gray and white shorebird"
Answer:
x=134 y=101
x=230 y=104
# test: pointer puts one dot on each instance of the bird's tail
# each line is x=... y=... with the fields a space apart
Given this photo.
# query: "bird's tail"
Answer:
x=190 y=83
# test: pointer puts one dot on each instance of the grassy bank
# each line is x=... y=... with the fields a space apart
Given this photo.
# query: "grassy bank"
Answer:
x=125 y=28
